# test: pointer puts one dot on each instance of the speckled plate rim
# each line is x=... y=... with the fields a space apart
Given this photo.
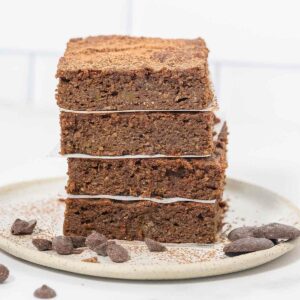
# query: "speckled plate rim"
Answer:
x=152 y=272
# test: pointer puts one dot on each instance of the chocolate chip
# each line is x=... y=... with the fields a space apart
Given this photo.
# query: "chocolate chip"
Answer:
x=154 y=246
x=248 y=244
x=62 y=245
x=117 y=253
x=241 y=232
x=4 y=273
x=21 y=227
x=78 y=241
x=42 y=244
x=95 y=239
x=102 y=248
x=44 y=292
x=274 y=231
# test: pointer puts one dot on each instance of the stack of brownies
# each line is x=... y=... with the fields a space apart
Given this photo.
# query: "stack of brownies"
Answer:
x=139 y=130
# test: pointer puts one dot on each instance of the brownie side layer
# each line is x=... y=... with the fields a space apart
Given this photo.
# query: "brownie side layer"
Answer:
x=149 y=133
x=192 y=178
x=180 y=222
x=126 y=73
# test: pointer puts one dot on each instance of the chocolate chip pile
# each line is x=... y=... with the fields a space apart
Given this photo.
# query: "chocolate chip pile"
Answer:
x=98 y=243
x=252 y=238
x=66 y=245
x=242 y=240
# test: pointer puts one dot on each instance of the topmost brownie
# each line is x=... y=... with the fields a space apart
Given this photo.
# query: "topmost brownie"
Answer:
x=134 y=73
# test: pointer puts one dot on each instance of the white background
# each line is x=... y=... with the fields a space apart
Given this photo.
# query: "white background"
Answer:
x=255 y=63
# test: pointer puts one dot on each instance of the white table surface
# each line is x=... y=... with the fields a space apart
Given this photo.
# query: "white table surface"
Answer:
x=27 y=136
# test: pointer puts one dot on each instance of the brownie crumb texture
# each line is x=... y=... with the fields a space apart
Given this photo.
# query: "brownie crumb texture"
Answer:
x=139 y=133
x=179 y=222
x=190 y=178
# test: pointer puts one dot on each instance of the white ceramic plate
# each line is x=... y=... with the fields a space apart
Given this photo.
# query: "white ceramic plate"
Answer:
x=249 y=205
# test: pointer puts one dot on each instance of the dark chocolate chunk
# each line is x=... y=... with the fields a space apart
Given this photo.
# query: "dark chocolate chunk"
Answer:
x=4 y=273
x=62 y=245
x=154 y=246
x=42 y=244
x=21 y=227
x=44 y=292
x=102 y=248
x=241 y=232
x=248 y=244
x=95 y=239
x=117 y=253
x=78 y=241
x=274 y=231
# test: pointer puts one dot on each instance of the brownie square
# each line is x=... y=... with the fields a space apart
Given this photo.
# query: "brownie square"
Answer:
x=139 y=133
x=179 y=222
x=134 y=73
